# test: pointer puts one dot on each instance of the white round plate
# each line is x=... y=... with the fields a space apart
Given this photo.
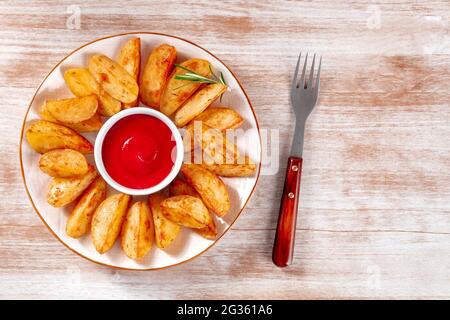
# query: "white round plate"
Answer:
x=188 y=244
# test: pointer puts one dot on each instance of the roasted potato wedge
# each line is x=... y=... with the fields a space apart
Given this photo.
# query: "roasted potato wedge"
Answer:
x=211 y=188
x=130 y=56
x=107 y=221
x=62 y=191
x=179 y=188
x=79 y=221
x=44 y=136
x=91 y=125
x=81 y=82
x=73 y=110
x=209 y=232
x=113 y=78
x=63 y=163
x=130 y=59
x=156 y=71
x=245 y=169
x=222 y=118
x=196 y=104
x=137 y=231
x=177 y=91
x=187 y=211
x=217 y=118
x=215 y=145
x=165 y=230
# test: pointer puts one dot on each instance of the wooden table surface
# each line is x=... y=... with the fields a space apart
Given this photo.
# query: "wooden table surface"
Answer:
x=375 y=197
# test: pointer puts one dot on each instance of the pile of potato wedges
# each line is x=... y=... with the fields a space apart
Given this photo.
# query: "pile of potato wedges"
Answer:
x=193 y=200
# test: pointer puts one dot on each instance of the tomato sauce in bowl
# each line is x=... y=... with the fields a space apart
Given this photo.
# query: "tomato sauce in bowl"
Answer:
x=138 y=151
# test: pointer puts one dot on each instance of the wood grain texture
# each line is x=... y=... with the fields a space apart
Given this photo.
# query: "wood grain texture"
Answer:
x=375 y=189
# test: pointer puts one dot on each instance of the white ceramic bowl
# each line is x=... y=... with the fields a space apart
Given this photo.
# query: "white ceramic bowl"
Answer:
x=110 y=123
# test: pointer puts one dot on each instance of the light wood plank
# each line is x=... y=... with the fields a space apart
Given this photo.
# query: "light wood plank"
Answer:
x=376 y=179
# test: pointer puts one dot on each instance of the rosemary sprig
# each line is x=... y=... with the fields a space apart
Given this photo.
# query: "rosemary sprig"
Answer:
x=222 y=79
x=195 y=77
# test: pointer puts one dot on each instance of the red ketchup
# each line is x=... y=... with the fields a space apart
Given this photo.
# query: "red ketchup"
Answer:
x=137 y=151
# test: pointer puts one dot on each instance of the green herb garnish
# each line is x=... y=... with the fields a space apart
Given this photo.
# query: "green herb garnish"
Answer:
x=195 y=77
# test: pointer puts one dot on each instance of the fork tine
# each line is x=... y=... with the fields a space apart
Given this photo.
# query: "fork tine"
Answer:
x=318 y=75
x=294 y=82
x=311 y=73
x=302 y=78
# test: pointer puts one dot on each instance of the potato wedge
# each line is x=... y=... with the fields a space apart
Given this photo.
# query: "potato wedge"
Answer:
x=209 y=232
x=217 y=118
x=165 y=230
x=137 y=231
x=62 y=191
x=222 y=118
x=79 y=221
x=91 y=125
x=107 y=221
x=187 y=211
x=176 y=91
x=156 y=71
x=245 y=169
x=196 y=104
x=211 y=188
x=44 y=136
x=215 y=145
x=236 y=167
x=130 y=59
x=113 y=78
x=81 y=83
x=73 y=110
x=63 y=163
x=179 y=188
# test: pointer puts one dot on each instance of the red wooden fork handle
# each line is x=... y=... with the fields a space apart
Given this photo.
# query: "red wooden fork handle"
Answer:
x=283 y=250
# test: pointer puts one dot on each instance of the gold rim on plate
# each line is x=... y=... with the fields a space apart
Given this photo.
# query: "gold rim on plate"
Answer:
x=25 y=182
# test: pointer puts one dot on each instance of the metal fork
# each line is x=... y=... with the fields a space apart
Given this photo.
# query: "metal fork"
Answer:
x=304 y=95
